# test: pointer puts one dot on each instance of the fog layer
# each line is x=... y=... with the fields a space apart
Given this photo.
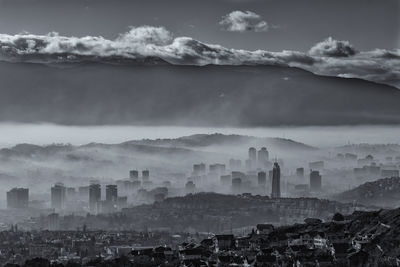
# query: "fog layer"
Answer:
x=319 y=136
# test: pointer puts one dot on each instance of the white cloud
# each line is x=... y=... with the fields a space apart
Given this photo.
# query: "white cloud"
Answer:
x=243 y=21
x=333 y=48
x=146 y=35
x=157 y=43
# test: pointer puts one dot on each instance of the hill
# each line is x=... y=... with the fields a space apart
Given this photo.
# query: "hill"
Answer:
x=216 y=139
x=217 y=212
x=97 y=94
x=383 y=192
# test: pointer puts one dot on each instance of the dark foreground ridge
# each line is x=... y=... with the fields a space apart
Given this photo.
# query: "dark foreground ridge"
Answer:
x=383 y=192
x=359 y=239
x=99 y=94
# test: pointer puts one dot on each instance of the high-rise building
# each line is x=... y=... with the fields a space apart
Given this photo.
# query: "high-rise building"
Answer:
x=53 y=222
x=94 y=197
x=145 y=175
x=300 y=173
x=262 y=178
x=134 y=174
x=237 y=174
x=58 y=196
x=263 y=157
x=199 y=169
x=276 y=181
x=217 y=168
x=253 y=154
x=315 y=181
x=18 y=198
x=111 y=193
x=71 y=193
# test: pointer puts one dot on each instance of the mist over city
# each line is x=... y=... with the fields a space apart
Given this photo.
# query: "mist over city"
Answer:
x=199 y=133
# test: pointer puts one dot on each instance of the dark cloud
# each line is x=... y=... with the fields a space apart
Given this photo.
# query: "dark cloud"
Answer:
x=333 y=48
x=156 y=44
x=243 y=21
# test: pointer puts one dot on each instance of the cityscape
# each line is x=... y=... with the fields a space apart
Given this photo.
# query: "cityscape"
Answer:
x=199 y=133
x=237 y=211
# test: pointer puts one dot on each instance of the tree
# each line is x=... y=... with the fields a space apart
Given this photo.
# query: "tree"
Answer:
x=338 y=217
x=37 y=262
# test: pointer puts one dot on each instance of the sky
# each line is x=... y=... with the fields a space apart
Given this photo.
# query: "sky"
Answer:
x=292 y=24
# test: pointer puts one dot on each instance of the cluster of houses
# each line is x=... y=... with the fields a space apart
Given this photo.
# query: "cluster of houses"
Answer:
x=264 y=246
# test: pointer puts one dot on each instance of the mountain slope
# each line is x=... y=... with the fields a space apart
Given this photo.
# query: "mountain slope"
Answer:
x=383 y=192
x=189 y=95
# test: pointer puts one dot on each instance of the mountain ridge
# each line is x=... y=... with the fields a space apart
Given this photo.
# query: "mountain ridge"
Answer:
x=172 y=143
x=240 y=96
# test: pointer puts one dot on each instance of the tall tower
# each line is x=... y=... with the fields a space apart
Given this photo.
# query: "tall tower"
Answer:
x=300 y=172
x=315 y=181
x=58 y=196
x=276 y=181
x=94 y=197
x=18 y=198
x=134 y=174
x=263 y=157
x=252 y=154
x=145 y=175
x=111 y=193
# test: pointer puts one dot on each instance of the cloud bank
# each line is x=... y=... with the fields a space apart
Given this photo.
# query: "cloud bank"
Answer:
x=148 y=44
x=243 y=21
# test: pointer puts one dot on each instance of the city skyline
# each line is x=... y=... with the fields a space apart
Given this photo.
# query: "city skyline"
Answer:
x=185 y=133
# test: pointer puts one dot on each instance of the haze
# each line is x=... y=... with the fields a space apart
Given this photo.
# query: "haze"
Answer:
x=319 y=136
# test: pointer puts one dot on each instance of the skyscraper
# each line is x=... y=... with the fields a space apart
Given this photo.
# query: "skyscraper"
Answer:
x=53 y=221
x=111 y=193
x=276 y=181
x=110 y=204
x=18 y=198
x=145 y=175
x=70 y=193
x=300 y=173
x=58 y=196
x=217 y=168
x=315 y=181
x=263 y=157
x=199 y=169
x=134 y=174
x=253 y=154
x=94 y=197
